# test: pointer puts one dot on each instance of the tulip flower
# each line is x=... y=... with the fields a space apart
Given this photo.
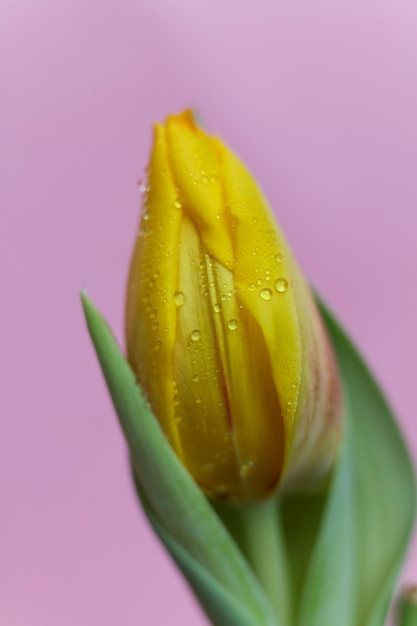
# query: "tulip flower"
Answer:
x=231 y=391
x=222 y=331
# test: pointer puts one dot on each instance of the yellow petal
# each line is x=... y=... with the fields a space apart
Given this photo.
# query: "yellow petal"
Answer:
x=152 y=283
x=221 y=328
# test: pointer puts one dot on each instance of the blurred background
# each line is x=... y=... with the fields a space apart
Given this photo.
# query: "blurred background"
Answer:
x=319 y=99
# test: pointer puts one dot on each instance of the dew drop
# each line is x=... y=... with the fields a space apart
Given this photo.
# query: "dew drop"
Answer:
x=265 y=294
x=195 y=335
x=281 y=285
x=218 y=216
x=217 y=307
x=144 y=187
x=232 y=324
x=259 y=281
x=278 y=258
x=195 y=378
x=177 y=204
x=252 y=287
x=179 y=298
x=294 y=384
x=246 y=468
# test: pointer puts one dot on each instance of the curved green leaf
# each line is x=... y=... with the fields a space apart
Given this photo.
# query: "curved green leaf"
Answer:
x=221 y=607
x=383 y=484
x=327 y=598
x=178 y=504
x=345 y=548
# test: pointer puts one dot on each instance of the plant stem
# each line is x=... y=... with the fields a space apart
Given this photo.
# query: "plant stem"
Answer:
x=257 y=529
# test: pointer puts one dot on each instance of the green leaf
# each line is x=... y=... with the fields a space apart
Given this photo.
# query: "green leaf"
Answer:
x=221 y=607
x=383 y=490
x=189 y=524
x=345 y=547
x=327 y=596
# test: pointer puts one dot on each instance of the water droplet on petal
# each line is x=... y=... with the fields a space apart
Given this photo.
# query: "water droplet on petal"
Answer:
x=179 y=298
x=177 y=204
x=195 y=335
x=217 y=307
x=265 y=294
x=278 y=258
x=232 y=324
x=281 y=285
x=246 y=468
x=143 y=186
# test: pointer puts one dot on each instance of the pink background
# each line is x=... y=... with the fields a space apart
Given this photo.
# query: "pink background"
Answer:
x=320 y=100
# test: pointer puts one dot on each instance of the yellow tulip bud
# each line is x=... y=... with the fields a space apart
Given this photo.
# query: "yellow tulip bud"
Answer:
x=222 y=331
